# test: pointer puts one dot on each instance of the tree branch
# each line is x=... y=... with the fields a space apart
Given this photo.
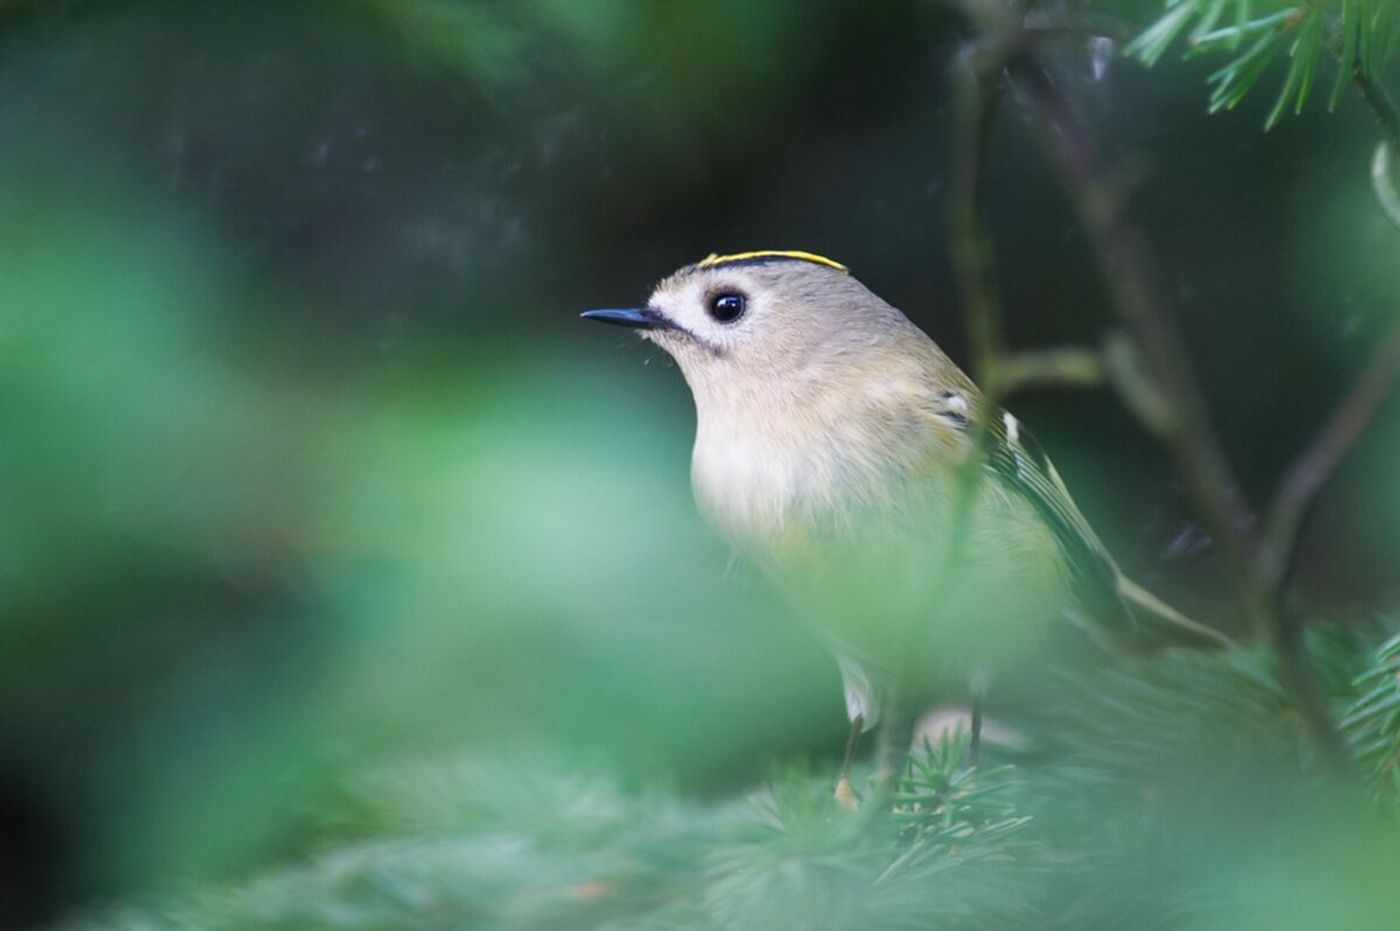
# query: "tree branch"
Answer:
x=1311 y=471
x=976 y=75
x=1121 y=252
x=1181 y=417
x=1379 y=103
x=1049 y=368
x=1313 y=468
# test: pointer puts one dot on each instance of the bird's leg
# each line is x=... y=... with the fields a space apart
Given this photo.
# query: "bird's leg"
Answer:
x=892 y=744
x=974 y=744
x=979 y=698
x=845 y=795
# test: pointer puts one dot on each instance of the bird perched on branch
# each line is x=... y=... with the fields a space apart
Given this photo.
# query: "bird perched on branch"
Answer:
x=922 y=532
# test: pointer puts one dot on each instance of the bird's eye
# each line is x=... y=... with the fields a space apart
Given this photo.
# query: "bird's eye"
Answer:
x=727 y=307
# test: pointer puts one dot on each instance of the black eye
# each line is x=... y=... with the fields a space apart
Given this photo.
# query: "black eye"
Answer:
x=727 y=307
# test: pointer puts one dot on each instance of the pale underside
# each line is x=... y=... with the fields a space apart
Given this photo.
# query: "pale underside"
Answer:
x=851 y=514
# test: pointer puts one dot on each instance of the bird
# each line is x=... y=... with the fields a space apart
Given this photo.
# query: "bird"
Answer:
x=831 y=450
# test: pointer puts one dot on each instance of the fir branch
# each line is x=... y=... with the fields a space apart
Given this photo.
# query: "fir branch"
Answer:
x=1372 y=723
x=1361 y=35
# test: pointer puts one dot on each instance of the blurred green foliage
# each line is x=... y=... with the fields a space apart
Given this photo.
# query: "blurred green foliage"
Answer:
x=347 y=581
x=1184 y=827
x=263 y=579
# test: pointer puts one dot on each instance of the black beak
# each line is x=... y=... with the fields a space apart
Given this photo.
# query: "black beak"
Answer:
x=642 y=318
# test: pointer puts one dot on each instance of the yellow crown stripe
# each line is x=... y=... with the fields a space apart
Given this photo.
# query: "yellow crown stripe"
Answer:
x=714 y=259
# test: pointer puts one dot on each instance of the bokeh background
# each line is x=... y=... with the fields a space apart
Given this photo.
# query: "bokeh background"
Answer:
x=307 y=464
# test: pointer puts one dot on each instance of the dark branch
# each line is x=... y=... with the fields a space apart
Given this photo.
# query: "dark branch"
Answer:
x=1311 y=471
x=1121 y=250
x=976 y=79
x=1380 y=105
x=1181 y=417
x=1314 y=467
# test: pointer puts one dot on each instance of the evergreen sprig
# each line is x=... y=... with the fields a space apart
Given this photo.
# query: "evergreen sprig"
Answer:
x=1152 y=797
x=943 y=802
x=1361 y=35
x=1372 y=723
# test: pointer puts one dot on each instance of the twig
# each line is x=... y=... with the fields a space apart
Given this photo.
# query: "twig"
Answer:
x=1136 y=389
x=976 y=73
x=1049 y=368
x=1377 y=101
x=1079 y=24
x=1310 y=472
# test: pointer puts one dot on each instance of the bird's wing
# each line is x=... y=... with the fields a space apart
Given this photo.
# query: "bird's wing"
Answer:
x=1016 y=461
x=1106 y=595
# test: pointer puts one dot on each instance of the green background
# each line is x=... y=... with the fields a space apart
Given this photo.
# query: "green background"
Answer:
x=307 y=465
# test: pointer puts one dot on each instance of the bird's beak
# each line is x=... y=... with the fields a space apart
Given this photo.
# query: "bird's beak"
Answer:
x=641 y=318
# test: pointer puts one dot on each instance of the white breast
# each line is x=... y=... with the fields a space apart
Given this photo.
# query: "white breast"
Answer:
x=751 y=485
x=759 y=474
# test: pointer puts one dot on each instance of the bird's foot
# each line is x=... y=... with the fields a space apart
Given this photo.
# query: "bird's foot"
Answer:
x=846 y=798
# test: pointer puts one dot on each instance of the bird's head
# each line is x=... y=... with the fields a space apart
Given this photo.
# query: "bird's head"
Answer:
x=754 y=320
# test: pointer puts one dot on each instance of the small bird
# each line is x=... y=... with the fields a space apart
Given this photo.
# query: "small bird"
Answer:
x=831 y=437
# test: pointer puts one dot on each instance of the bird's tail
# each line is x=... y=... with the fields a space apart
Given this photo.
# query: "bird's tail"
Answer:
x=1172 y=625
